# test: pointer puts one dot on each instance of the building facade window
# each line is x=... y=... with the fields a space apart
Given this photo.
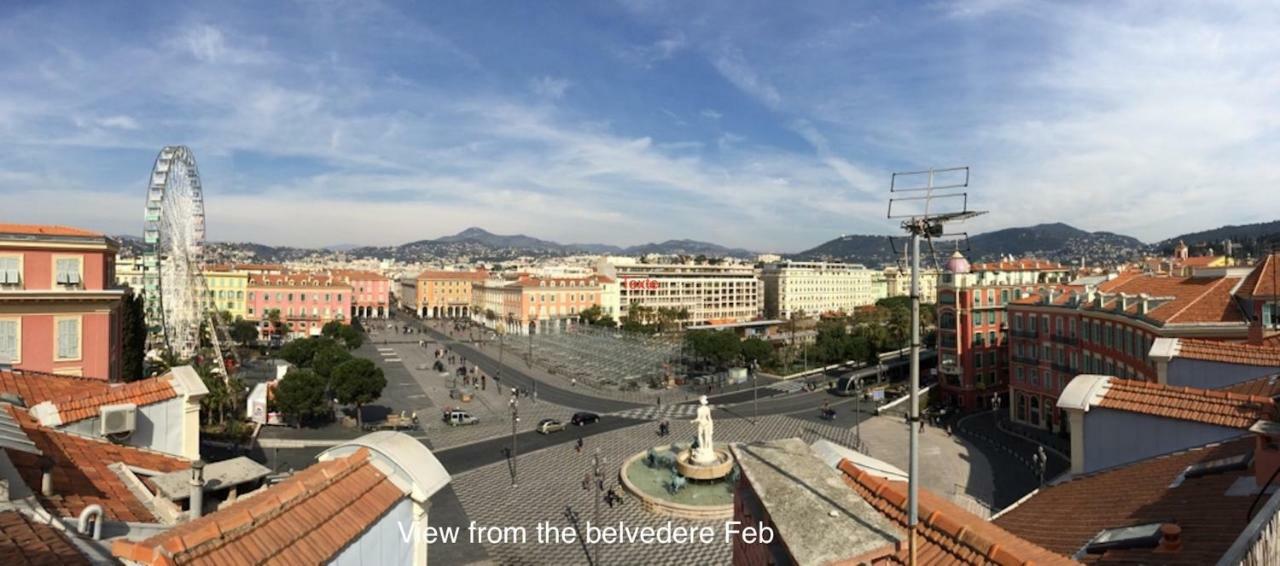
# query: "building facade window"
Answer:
x=11 y=340
x=10 y=271
x=67 y=338
x=68 y=270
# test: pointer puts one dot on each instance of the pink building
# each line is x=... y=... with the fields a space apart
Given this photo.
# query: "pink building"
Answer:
x=371 y=293
x=58 y=310
x=306 y=301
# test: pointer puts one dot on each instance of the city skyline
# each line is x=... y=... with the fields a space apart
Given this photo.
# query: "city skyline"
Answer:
x=635 y=122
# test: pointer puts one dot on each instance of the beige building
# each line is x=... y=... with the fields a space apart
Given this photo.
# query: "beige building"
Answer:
x=814 y=288
x=439 y=293
x=898 y=284
x=713 y=294
x=540 y=304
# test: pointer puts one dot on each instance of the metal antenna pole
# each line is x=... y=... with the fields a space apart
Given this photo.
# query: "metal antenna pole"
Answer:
x=927 y=222
x=913 y=471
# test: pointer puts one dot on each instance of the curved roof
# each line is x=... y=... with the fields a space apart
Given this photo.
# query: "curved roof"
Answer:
x=413 y=462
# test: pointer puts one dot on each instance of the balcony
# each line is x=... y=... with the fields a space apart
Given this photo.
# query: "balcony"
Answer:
x=1025 y=360
x=1030 y=334
x=1064 y=368
x=1064 y=339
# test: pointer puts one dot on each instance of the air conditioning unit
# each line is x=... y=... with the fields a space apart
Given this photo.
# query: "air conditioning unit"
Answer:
x=117 y=419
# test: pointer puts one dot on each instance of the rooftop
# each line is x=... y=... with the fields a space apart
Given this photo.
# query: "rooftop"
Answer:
x=306 y=519
x=439 y=274
x=1227 y=352
x=24 y=542
x=46 y=230
x=1064 y=517
x=85 y=471
x=1018 y=265
x=948 y=533
x=807 y=502
x=1262 y=281
x=1209 y=406
x=85 y=402
x=302 y=279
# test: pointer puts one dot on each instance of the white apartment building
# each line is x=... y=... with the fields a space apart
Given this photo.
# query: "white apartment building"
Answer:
x=898 y=284
x=713 y=294
x=815 y=287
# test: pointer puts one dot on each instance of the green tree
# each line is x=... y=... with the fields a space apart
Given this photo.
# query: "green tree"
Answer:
x=591 y=315
x=358 y=382
x=606 y=321
x=329 y=357
x=352 y=337
x=133 y=338
x=758 y=350
x=300 y=397
x=244 y=332
x=301 y=352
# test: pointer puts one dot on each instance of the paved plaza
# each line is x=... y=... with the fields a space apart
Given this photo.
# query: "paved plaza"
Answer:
x=550 y=484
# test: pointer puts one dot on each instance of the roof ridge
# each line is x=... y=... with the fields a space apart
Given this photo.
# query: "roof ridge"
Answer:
x=937 y=519
x=1200 y=297
x=296 y=490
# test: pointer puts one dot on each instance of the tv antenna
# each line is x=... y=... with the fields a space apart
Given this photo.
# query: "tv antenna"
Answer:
x=925 y=201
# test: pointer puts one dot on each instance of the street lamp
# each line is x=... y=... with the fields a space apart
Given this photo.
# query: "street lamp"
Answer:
x=598 y=472
x=857 y=408
x=515 y=418
x=755 y=390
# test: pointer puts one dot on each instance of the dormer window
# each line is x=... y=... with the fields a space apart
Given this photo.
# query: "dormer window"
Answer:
x=68 y=271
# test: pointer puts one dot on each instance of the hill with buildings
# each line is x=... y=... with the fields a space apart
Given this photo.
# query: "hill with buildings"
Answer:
x=1057 y=241
x=1246 y=239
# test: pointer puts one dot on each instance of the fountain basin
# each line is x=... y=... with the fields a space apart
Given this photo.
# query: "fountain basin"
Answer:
x=698 y=499
x=704 y=471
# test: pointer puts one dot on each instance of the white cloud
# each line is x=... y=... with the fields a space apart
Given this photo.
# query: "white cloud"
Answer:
x=119 y=121
x=710 y=114
x=550 y=87
x=733 y=67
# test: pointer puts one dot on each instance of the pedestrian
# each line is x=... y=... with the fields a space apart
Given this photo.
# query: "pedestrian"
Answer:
x=484 y=382
x=586 y=481
x=573 y=382
x=579 y=445
x=659 y=400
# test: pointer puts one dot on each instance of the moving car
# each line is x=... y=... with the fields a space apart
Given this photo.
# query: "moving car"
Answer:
x=458 y=417
x=548 y=426
x=584 y=418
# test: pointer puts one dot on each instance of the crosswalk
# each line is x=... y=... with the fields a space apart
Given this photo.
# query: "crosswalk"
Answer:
x=654 y=413
x=388 y=354
x=787 y=386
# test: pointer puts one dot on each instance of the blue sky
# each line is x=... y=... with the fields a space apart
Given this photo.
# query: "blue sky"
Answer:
x=773 y=126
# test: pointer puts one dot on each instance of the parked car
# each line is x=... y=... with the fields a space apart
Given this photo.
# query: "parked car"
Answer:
x=458 y=417
x=584 y=418
x=403 y=421
x=548 y=426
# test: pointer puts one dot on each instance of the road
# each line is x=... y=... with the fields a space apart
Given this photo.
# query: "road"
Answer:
x=480 y=454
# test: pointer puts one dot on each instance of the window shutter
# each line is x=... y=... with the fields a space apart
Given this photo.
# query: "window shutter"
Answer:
x=8 y=340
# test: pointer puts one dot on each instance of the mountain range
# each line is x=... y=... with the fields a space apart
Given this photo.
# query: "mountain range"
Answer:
x=1054 y=241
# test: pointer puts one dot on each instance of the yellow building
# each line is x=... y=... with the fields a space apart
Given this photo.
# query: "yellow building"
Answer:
x=225 y=289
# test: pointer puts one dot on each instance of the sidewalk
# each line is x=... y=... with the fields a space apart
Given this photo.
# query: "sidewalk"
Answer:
x=1012 y=454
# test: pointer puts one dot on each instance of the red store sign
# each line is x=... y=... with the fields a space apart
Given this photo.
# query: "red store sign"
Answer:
x=640 y=284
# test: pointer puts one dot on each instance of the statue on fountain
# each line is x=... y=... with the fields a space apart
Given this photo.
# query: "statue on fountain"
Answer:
x=704 y=453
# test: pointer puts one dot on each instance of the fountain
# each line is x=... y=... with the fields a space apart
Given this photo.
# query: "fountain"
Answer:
x=694 y=482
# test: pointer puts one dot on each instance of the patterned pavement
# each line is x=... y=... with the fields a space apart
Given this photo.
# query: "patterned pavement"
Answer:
x=550 y=483
x=670 y=412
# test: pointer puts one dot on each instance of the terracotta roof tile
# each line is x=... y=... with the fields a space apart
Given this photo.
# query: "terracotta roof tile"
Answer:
x=305 y=519
x=1229 y=352
x=1018 y=265
x=1064 y=517
x=1262 y=280
x=24 y=542
x=84 y=403
x=948 y=533
x=1189 y=299
x=1208 y=406
x=37 y=387
x=45 y=230
x=437 y=275
x=81 y=475
x=1268 y=386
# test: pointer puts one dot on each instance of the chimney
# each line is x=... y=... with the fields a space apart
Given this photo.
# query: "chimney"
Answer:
x=197 y=489
x=46 y=476
x=1170 y=538
x=1122 y=303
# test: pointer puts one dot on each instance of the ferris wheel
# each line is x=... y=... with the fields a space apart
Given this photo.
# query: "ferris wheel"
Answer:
x=173 y=283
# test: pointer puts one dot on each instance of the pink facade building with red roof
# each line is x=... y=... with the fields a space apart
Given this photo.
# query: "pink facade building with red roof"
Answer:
x=59 y=308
